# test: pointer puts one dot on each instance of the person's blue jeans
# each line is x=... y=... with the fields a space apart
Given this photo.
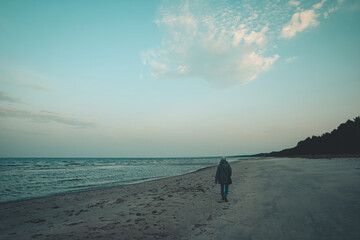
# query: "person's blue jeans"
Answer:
x=224 y=193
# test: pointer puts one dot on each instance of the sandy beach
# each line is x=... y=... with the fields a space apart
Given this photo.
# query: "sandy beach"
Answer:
x=270 y=198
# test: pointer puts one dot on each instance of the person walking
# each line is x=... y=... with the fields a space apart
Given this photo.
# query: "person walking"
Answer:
x=223 y=176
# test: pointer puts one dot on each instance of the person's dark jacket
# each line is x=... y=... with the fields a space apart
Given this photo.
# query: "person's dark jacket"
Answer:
x=223 y=173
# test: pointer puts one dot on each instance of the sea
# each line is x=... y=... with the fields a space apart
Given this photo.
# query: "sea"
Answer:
x=25 y=178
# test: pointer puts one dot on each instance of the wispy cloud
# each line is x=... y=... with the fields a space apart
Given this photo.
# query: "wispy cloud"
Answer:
x=6 y=98
x=24 y=84
x=225 y=43
x=294 y=3
x=319 y=5
x=352 y=7
x=24 y=132
x=290 y=59
x=23 y=77
x=45 y=116
x=334 y=8
x=32 y=85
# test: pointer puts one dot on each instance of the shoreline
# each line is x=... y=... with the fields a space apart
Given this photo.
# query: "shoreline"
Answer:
x=125 y=184
x=94 y=198
x=269 y=199
x=106 y=187
x=240 y=158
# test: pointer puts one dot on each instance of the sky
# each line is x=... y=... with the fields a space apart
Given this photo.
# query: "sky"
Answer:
x=174 y=78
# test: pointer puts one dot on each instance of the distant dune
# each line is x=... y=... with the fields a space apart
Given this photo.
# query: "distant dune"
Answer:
x=341 y=142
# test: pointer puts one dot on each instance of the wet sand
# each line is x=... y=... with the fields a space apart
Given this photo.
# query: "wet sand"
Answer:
x=270 y=198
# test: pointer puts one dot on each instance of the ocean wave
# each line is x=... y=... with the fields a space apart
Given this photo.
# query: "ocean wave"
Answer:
x=41 y=177
x=71 y=179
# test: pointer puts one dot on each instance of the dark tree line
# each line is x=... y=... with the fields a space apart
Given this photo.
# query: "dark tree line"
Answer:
x=343 y=140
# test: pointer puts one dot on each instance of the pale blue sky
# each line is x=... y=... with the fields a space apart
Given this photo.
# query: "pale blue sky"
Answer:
x=174 y=78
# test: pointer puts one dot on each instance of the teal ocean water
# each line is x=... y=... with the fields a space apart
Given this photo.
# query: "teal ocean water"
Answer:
x=24 y=178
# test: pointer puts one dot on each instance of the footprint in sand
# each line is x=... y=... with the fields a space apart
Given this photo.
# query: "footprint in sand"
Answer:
x=36 y=235
x=80 y=211
x=139 y=220
x=119 y=200
x=73 y=224
x=36 y=221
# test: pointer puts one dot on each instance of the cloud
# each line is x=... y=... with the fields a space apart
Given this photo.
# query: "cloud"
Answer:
x=256 y=37
x=225 y=43
x=304 y=19
x=352 y=7
x=319 y=5
x=334 y=8
x=44 y=116
x=5 y=97
x=23 y=77
x=294 y=3
x=299 y=22
x=290 y=59
x=211 y=44
x=32 y=85
x=25 y=84
x=18 y=131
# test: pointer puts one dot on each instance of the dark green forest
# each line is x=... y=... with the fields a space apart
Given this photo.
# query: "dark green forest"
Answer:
x=343 y=140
